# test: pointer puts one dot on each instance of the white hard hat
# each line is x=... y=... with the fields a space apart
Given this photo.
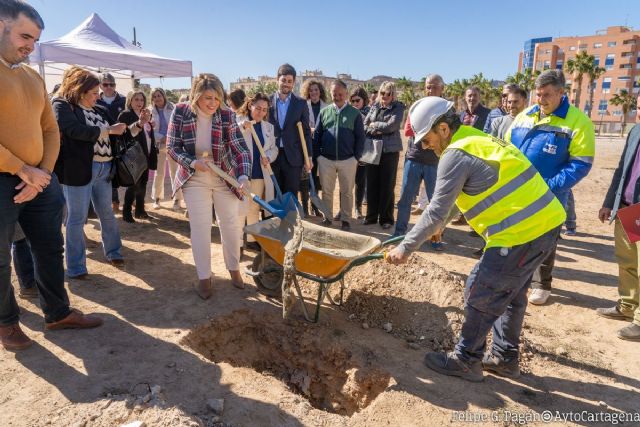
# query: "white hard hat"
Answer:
x=424 y=113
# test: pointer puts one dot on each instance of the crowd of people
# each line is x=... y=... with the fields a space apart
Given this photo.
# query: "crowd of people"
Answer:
x=507 y=172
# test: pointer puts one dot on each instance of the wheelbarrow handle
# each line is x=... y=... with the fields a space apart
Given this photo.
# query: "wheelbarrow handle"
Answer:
x=378 y=255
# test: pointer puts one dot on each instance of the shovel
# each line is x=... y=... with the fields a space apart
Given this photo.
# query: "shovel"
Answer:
x=326 y=213
x=289 y=216
x=286 y=202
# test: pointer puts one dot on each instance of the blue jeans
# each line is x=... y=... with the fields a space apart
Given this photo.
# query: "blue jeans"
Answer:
x=98 y=191
x=23 y=263
x=413 y=174
x=41 y=221
x=496 y=297
x=570 y=223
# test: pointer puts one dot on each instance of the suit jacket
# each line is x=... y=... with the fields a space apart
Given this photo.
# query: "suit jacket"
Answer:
x=129 y=117
x=622 y=174
x=298 y=112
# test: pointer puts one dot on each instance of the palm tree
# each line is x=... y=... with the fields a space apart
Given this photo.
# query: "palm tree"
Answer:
x=369 y=87
x=406 y=91
x=455 y=90
x=594 y=74
x=627 y=102
x=582 y=64
x=525 y=80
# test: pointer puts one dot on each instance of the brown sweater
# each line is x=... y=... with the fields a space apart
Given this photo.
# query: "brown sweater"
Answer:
x=28 y=129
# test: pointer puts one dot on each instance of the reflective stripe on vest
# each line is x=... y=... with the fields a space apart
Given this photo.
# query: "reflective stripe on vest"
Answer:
x=519 y=207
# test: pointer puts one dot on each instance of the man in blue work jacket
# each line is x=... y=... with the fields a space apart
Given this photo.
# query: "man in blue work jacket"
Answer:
x=559 y=141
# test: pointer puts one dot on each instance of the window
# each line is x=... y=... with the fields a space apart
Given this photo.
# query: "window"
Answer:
x=626 y=54
x=559 y=65
x=632 y=41
x=547 y=65
x=548 y=51
x=608 y=63
x=611 y=44
x=560 y=51
x=625 y=66
x=616 y=113
x=582 y=47
x=596 y=60
x=624 y=78
x=597 y=45
x=572 y=48
x=606 y=85
x=602 y=106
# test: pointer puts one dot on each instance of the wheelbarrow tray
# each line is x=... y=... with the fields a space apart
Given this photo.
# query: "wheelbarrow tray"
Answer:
x=325 y=252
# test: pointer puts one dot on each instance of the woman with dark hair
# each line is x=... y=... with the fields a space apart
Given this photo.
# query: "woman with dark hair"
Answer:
x=360 y=100
x=253 y=114
x=84 y=167
x=236 y=99
x=203 y=131
x=140 y=129
x=160 y=114
x=383 y=123
x=316 y=95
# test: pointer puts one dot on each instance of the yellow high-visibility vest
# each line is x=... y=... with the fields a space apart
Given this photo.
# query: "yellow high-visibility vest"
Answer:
x=519 y=207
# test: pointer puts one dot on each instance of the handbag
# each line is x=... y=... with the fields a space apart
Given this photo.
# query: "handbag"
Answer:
x=130 y=163
x=372 y=151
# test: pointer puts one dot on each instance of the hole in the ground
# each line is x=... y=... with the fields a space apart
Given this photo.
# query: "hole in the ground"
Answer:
x=325 y=367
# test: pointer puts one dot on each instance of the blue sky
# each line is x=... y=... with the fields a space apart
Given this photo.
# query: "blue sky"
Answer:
x=364 y=38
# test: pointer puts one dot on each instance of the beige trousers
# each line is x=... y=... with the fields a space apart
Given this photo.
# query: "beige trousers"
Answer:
x=201 y=191
x=157 y=191
x=250 y=209
x=345 y=172
x=628 y=283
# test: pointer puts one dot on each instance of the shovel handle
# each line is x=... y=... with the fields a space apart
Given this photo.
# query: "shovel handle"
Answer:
x=304 y=145
x=260 y=149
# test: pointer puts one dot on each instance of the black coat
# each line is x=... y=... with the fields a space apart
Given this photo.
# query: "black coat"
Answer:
x=129 y=117
x=75 y=161
x=298 y=112
x=115 y=108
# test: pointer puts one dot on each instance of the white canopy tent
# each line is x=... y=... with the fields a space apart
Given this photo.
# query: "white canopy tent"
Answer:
x=94 y=44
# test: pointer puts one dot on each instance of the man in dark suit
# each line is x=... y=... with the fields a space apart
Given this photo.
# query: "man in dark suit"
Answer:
x=285 y=112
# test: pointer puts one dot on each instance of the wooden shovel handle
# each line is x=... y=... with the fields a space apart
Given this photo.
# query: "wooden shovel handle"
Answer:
x=257 y=141
x=304 y=145
x=222 y=174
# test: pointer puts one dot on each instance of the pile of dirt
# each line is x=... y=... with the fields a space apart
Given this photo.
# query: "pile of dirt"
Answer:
x=330 y=371
x=419 y=301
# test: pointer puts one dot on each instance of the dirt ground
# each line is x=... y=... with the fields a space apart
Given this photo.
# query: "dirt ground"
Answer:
x=166 y=358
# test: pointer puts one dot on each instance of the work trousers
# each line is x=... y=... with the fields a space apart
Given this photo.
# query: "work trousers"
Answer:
x=496 y=298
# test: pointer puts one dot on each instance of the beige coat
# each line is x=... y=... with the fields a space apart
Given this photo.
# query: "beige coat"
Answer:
x=269 y=147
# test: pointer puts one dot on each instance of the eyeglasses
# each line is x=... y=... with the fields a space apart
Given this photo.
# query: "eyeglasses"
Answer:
x=109 y=84
x=385 y=93
x=355 y=100
x=264 y=110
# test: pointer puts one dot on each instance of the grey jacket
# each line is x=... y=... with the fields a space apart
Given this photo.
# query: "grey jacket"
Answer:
x=388 y=128
x=618 y=182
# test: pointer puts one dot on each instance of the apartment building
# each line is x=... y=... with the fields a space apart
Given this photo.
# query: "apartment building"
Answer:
x=615 y=49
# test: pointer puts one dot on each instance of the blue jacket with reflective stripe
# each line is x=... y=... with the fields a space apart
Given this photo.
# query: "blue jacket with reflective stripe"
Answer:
x=561 y=145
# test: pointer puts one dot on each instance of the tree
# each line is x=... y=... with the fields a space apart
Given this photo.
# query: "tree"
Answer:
x=264 y=88
x=369 y=87
x=455 y=91
x=594 y=74
x=582 y=64
x=407 y=94
x=627 y=102
x=526 y=80
x=172 y=96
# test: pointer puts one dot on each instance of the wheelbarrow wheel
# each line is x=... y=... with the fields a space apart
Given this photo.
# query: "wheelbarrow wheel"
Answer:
x=269 y=279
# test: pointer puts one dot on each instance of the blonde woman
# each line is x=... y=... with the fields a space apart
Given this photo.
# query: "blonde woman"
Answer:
x=199 y=127
x=383 y=123
x=160 y=114
x=252 y=114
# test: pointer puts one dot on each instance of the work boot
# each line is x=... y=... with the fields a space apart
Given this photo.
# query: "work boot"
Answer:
x=449 y=364
x=630 y=333
x=203 y=288
x=613 y=313
x=13 y=338
x=492 y=363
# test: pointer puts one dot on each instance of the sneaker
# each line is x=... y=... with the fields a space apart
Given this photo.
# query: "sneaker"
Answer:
x=417 y=211
x=156 y=204
x=28 y=293
x=570 y=232
x=630 y=333
x=437 y=246
x=613 y=313
x=386 y=226
x=449 y=364
x=539 y=296
x=345 y=226
x=326 y=222
x=492 y=363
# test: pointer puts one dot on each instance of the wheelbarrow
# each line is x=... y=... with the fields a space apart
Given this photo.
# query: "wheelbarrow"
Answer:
x=325 y=258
